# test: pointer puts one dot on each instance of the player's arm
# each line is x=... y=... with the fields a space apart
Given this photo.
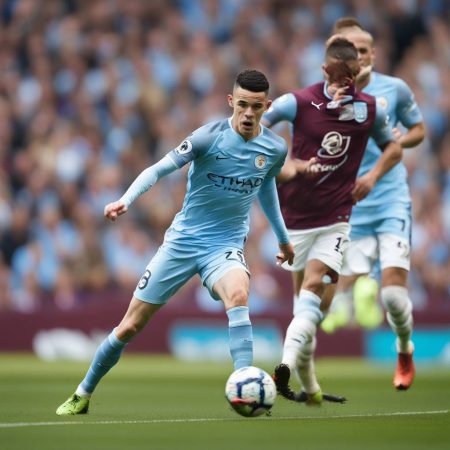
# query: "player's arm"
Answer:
x=413 y=136
x=294 y=167
x=145 y=180
x=392 y=154
x=410 y=117
x=174 y=160
x=268 y=199
x=284 y=109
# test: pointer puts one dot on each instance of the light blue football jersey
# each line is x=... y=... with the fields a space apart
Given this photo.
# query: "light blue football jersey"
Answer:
x=225 y=176
x=396 y=98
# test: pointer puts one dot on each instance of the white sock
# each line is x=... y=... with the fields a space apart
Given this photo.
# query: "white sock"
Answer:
x=303 y=326
x=305 y=368
x=399 y=315
x=82 y=393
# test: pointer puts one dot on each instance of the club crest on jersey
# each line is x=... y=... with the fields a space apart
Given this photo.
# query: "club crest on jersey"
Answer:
x=184 y=147
x=260 y=162
x=347 y=112
x=333 y=145
x=382 y=101
x=360 y=111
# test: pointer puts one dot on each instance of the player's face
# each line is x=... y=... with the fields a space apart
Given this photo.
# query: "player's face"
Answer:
x=363 y=44
x=248 y=107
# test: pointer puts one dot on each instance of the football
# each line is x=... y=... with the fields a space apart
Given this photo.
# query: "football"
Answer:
x=250 y=391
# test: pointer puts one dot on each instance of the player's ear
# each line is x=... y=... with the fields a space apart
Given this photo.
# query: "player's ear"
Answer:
x=230 y=100
x=324 y=71
x=269 y=104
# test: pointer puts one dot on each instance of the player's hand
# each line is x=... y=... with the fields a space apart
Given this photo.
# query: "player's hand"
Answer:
x=304 y=167
x=114 y=210
x=397 y=134
x=286 y=254
x=338 y=91
x=363 y=185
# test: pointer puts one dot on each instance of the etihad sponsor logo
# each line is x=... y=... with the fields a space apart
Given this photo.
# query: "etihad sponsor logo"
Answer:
x=235 y=184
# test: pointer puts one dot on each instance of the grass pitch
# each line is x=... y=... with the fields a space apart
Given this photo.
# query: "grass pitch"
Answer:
x=159 y=403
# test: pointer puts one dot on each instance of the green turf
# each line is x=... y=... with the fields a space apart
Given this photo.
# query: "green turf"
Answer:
x=177 y=405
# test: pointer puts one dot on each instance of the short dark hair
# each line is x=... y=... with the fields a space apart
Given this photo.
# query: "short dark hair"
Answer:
x=252 y=80
x=339 y=56
x=341 y=49
x=346 y=22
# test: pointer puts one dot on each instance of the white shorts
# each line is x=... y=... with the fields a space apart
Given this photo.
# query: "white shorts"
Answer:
x=361 y=254
x=326 y=244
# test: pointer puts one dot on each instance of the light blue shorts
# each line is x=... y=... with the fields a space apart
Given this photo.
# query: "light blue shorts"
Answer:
x=396 y=221
x=176 y=263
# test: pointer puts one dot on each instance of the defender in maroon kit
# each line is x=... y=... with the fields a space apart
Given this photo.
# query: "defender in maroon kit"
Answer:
x=331 y=125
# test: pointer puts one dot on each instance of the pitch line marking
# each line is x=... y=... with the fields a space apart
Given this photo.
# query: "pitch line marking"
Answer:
x=200 y=420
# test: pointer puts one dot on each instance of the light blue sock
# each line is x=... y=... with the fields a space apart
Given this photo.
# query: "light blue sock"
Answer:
x=106 y=356
x=241 y=336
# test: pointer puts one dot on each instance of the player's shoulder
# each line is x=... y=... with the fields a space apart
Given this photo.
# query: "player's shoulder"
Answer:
x=310 y=91
x=205 y=135
x=389 y=80
x=276 y=139
x=213 y=128
x=365 y=97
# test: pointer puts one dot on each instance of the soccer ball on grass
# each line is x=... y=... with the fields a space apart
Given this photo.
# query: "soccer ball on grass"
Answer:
x=250 y=391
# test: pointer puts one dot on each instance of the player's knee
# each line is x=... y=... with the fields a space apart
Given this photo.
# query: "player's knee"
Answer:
x=314 y=284
x=128 y=329
x=396 y=299
x=238 y=297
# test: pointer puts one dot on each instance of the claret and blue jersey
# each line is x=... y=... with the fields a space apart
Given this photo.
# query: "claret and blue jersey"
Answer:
x=336 y=134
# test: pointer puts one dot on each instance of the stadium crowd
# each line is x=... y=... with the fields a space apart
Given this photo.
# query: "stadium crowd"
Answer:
x=93 y=92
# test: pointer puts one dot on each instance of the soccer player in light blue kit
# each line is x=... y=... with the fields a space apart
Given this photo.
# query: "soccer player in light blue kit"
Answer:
x=233 y=161
x=381 y=223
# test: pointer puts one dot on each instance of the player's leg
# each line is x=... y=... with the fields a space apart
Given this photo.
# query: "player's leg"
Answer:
x=302 y=241
x=108 y=354
x=233 y=289
x=394 y=252
x=356 y=293
x=339 y=313
x=226 y=275
x=165 y=274
x=324 y=260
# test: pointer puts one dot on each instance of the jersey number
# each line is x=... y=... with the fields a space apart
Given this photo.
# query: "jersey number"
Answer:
x=144 y=279
x=338 y=245
x=236 y=255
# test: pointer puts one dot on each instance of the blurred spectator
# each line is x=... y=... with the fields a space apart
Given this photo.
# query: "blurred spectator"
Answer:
x=93 y=92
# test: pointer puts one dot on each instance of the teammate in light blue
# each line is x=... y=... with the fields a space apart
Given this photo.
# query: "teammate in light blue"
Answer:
x=381 y=223
x=233 y=161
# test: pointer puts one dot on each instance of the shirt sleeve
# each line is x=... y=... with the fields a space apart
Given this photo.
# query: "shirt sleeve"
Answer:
x=381 y=130
x=193 y=146
x=408 y=111
x=147 y=178
x=283 y=108
x=268 y=199
x=276 y=168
